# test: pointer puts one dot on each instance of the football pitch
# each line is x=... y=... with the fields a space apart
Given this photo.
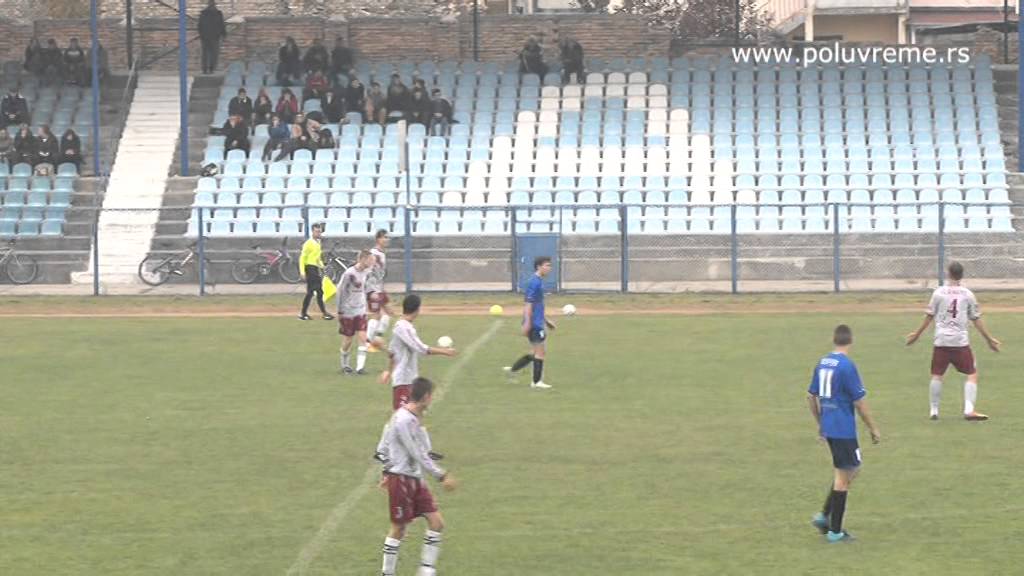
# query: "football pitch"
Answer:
x=220 y=439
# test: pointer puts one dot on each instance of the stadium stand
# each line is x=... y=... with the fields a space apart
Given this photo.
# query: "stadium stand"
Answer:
x=687 y=145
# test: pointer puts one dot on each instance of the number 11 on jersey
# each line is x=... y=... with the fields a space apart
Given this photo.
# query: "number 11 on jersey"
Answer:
x=825 y=382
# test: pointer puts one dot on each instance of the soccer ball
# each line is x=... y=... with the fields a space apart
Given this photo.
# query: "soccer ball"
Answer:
x=445 y=342
x=569 y=310
x=497 y=310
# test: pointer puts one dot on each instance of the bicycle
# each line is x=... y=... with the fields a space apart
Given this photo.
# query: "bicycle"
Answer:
x=334 y=264
x=247 y=270
x=19 y=268
x=155 y=270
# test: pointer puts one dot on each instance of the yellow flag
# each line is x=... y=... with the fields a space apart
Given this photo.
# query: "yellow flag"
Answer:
x=329 y=289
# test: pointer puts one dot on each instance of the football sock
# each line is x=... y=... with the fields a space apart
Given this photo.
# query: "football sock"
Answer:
x=431 y=550
x=935 y=393
x=390 y=556
x=361 y=358
x=371 y=329
x=838 y=509
x=970 y=396
x=827 y=509
x=522 y=362
x=538 y=369
x=344 y=359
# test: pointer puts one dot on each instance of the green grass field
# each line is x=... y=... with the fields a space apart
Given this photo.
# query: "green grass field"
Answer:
x=670 y=445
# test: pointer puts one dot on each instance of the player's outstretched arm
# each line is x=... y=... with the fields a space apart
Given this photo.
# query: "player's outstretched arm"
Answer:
x=913 y=336
x=869 y=421
x=434 y=351
x=993 y=343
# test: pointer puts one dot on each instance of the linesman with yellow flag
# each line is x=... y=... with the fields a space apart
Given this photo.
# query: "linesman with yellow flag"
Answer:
x=311 y=267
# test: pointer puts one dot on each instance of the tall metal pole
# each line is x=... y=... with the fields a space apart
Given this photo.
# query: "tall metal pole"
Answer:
x=737 y=22
x=95 y=58
x=183 y=78
x=1006 y=31
x=476 y=30
x=129 y=33
x=1020 y=92
x=407 y=240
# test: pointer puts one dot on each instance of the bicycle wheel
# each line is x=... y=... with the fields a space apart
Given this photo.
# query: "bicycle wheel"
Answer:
x=154 y=271
x=22 y=269
x=244 y=271
x=334 y=272
x=289 y=271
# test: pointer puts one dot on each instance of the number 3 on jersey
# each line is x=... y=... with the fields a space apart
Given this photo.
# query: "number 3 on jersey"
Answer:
x=825 y=383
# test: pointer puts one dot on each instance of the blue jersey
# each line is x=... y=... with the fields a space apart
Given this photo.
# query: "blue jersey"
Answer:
x=837 y=385
x=535 y=296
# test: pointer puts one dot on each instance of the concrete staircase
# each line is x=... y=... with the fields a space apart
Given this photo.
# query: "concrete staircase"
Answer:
x=138 y=178
x=1007 y=102
x=201 y=108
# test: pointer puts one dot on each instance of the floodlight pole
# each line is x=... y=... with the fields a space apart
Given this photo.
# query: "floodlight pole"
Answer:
x=183 y=79
x=129 y=32
x=95 y=62
x=1020 y=94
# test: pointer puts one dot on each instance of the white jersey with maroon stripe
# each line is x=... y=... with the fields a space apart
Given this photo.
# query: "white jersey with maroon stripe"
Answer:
x=953 y=308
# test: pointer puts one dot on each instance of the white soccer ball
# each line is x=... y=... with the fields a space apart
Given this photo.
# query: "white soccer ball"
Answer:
x=569 y=310
x=445 y=342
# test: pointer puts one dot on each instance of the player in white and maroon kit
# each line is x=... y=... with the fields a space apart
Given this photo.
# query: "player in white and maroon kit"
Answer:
x=376 y=297
x=409 y=497
x=352 y=311
x=952 y=306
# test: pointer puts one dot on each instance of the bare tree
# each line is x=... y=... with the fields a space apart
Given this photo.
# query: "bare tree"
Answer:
x=702 y=19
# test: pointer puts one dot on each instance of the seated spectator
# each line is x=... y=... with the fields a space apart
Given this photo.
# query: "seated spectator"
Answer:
x=531 y=59
x=333 y=106
x=316 y=58
x=342 y=59
x=71 y=149
x=263 y=108
x=571 y=54
x=397 y=103
x=287 y=106
x=355 y=98
x=279 y=135
x=6 y=148
x=327 y=141
x=419 y=84
x=13 y=109
x=33 y=57
x=47 y=149
x=236 y=135
x=299 y=141
x=289 y=63
x=53 y=61
x=320 y=136
x=241 y=105
x=24 y=146
x=74 y=64
x=420 y=108
x=316 y=86
x=441 y=114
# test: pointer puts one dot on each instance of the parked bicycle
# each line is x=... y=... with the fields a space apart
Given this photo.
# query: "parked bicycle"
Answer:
x=247 y=269
x=155 y=269
x=19 y=268
x=334 y=264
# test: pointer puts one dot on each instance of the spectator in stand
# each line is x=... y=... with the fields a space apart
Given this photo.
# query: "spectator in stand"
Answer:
x=342 y=58
x=74 y=63
x=236 y=135
x=420 y=108
x=355 y=98
x=47 y=151
x=287 y=106
x=6 y=148
x=212 y=31
x=316 y=57
x=327 y=141
x=279 y=135
x=101 y=56
x=263 y=108
x=241 y=105
x=398 y=100
x=33 y=57
x=419 y=84
x=299 y=141
x=14 y=109
x=302 y=123
x=289 y=63
x=24 y=146
x=531 y=59
x=572 y=59
x=53 y=62
x=71 y=150
x=316 y=86
x=376 y=105
x=333 y=105
x=320 y=136
x=441 y=114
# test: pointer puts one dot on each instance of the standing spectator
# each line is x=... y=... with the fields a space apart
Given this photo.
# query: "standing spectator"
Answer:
x=25 y=146
x=236 y=135
x=342 y=58
x=531 y=59
x=420 y=108
x=14 y=109
x=101 y=58
x=355 y=97
x=33 y=57
x=279 y=134
x=287 y=106
x=74 y=63
x=398 y=100
x=241 y=105
x=572 y=59
x=333 y=106
x=212 y=31
x=263 y=108
x=47 y=151
x=53 y=61
x=6 y=148
x=441 y=114
x=289 y=63
x=71 y=149
x=316 y=57
x=316 y=86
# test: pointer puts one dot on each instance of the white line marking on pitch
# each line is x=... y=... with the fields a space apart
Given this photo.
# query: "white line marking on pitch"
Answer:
x=311 y=550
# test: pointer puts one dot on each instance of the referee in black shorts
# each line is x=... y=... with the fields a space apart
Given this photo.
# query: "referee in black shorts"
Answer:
x=311 y=268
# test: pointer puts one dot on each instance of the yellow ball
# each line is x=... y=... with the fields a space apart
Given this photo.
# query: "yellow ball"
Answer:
x=497 y=310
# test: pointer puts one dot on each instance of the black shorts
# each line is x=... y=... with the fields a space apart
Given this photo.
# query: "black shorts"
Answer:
x=845 y=453
x=537 y=335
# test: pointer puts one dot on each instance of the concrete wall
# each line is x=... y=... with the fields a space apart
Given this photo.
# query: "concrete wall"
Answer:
x=882 y=28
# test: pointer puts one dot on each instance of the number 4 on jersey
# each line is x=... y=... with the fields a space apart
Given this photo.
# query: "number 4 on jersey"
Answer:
x=953 y=307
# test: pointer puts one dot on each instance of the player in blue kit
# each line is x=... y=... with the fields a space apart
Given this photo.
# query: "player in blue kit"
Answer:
x=535 y=324
x=835 y=391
